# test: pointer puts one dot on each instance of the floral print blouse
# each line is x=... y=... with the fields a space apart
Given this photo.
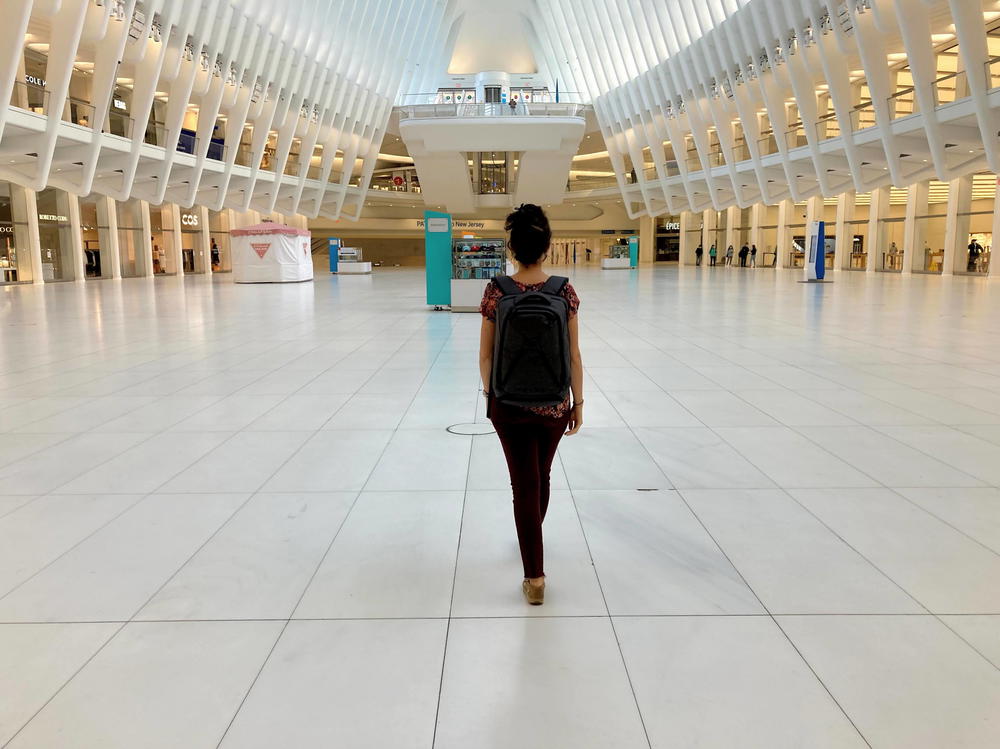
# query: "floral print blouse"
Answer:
x=488 y=309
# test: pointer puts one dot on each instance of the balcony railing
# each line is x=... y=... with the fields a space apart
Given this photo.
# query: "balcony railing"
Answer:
x=463 y=110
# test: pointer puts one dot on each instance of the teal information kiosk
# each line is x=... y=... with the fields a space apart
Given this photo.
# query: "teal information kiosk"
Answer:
x=633 y=251
x=437 y=249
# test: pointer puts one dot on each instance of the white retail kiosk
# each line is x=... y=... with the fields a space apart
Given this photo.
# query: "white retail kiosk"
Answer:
x=271 y=253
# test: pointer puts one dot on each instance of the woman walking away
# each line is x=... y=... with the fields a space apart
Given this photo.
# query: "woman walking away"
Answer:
x=529 y=359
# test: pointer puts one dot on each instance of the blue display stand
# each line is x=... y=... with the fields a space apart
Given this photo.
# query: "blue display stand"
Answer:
x=816 y=251
x=334 y=253
x=437 y=249
x=633 y=251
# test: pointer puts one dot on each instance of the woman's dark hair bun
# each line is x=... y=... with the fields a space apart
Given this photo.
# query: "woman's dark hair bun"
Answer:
x=530 y=233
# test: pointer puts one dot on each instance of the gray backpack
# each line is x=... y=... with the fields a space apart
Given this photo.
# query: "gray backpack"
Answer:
x=531 y=357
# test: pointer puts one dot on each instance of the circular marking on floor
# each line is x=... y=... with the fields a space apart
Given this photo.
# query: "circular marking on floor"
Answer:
x=476 y=428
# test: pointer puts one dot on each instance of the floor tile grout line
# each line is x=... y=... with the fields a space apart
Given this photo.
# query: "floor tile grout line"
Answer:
x=899 y=585
x=517 y=617
x=140 y=497
x=773 y=619
x=918 y=506
x=454 y=582
x=607 y=609
x=745 y=582
x=319 y=564
x=165 y=582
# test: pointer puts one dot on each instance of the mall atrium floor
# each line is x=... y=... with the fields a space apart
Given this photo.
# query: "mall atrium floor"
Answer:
x=232 y=516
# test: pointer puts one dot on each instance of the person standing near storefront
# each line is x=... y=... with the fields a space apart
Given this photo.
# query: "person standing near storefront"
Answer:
x=753 y=256
x=530 y=429
x=975 y=252
x=712 y=255
x=744 y=252
x=697 y=254
x=729 y=255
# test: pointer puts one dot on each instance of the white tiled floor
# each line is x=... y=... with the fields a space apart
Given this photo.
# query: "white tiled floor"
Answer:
x=232 y=516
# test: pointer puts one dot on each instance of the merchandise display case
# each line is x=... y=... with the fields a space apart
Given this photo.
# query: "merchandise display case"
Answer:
x=618 y=257
x=474 y=262
x=350 y=261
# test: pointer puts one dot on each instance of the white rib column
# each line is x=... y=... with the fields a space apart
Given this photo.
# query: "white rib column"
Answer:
x=913 y=232
x=844 y=230
x=956 y=232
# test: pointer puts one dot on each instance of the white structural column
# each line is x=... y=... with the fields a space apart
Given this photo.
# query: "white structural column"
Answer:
x=914 y=234
x=110 y=250
x=878 y=210
x=786 y=211
x=710 y=220
x=79 y=260
x=732 y=218
x=34 y=240
x=844 y=229
x=144 y=259
x=647 y=239
x=176 y=261
x=204 y=248
x=689 y=242
x=758 y=212
x=956 y=232
x=994 y=271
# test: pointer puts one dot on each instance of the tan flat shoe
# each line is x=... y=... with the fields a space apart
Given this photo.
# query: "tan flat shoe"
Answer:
x=534 y=593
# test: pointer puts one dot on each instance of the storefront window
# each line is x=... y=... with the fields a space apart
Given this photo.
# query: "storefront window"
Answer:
x=930 y=258
x=978 y=245
x=96 y=239
x=163 y=240
x=55 y=235
x=668 y=239
x=192 y=249
x=890 y=254
x=218 y=224
x=130 y=236
x=15 y=260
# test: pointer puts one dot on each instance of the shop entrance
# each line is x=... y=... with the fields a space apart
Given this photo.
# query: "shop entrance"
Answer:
x=192 y=247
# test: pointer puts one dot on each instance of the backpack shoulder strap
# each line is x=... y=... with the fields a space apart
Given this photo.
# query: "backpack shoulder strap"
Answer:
x=506 y=285
x=555 y=284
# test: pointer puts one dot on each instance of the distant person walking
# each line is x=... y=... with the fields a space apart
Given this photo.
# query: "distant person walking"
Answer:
x=729 y=255
x=532 y=374
x=513 y=105
x=744 y=253
x=712 y=254
x=697 y=254
x=753 y=256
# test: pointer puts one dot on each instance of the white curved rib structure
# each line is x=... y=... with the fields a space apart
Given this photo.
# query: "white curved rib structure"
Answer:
x=313 y=75
x=715 y=103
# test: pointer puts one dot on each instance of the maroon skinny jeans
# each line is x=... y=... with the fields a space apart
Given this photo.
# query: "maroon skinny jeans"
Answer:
x=529 y=443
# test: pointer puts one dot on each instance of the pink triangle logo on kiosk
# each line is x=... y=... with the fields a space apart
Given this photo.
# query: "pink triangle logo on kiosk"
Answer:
x=261 y=248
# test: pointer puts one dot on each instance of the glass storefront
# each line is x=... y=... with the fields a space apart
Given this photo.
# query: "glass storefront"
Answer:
x=218 y=227
x=15 y=258
x=163 y=240
x=55 y=235
x=130 y=237
x=96 y=238
x=668 y=239
x=192 y=249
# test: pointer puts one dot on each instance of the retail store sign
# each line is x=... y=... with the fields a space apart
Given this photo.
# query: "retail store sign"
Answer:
x=671 y=226
x=189 y=219
x=441 y=224
x=34 y=80
x=52 y=217
x=119 y=104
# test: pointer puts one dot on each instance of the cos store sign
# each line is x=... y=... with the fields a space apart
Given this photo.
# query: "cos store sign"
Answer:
x=190 y=220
